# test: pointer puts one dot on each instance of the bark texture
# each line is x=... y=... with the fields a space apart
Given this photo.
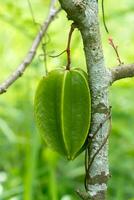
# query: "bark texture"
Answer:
x=122 y=71
x=84 y=13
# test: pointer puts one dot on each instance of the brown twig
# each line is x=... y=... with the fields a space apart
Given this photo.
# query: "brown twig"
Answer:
x=68 y=47
x=103 y=16
x=87 y=150
x=31 y=53
x=102 y=145
x=115 y=47
x=67 y=50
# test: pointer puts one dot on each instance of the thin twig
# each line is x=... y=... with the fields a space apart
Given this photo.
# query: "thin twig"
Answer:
x=115 y=47
x=67 y=50
x=57 y=54
x=88 y=163
x=31 y=53
x=103 y=16
x=31 y=10
x=68 y=47
x=99 y=127
x=102 y=145
x=39 y=26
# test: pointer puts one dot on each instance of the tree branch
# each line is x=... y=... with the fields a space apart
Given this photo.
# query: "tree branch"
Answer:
x=84 y=13
x=122 y=71
x=31 y=53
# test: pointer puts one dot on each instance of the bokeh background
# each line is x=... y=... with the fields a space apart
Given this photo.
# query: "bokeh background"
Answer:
x=28 y=169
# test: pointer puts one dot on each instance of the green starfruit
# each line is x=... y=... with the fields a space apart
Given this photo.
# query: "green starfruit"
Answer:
x=63 y=110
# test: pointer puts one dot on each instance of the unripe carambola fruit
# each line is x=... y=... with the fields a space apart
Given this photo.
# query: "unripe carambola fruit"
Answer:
x=63 y=110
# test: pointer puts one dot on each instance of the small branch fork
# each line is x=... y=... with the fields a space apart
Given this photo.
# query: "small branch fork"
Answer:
x=31 y=53
x=121 y=71
x=67 y=50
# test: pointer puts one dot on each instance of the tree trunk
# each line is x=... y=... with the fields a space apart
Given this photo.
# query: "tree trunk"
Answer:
x=84 y=13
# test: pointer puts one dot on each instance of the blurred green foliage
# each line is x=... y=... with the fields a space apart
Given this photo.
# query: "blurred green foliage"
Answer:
x=28 y=169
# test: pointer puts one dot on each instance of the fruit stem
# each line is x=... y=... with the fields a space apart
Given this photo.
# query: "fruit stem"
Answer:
x=68 y=47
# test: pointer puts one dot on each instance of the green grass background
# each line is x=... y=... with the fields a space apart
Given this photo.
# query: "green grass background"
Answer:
x=28 y=169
